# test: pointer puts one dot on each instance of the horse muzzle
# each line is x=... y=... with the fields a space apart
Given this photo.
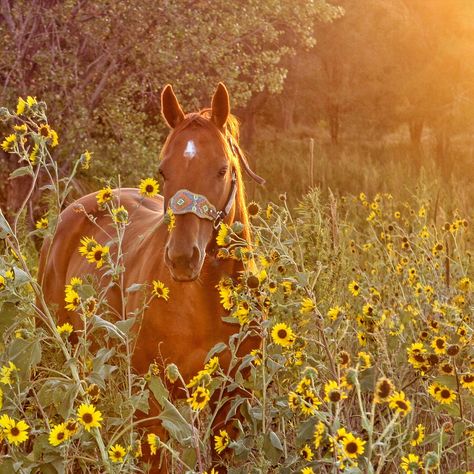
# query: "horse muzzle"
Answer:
x=184 y=265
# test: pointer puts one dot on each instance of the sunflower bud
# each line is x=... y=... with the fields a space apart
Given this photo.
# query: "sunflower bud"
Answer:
x=172 y=373
x=237 y=227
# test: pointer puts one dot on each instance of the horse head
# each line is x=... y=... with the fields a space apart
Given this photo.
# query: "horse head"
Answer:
x=200 y=167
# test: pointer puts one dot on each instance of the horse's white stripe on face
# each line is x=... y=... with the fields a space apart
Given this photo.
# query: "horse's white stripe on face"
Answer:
x=190 y=151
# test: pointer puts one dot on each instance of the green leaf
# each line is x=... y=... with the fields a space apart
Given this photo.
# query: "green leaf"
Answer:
x=8 y=313
x=158 y=389
x=25 y=354
x=126 y=325
x=219 y=347
x=175 y=423
x=24 y=170
x=135 y=287
x=275 y=440
x=270 y=451
x=448 y=380
x=5 y=228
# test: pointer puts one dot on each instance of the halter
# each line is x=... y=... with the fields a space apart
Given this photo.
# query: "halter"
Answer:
x=185 y=202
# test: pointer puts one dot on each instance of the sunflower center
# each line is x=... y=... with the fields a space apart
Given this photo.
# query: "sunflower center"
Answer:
x=149 y=188
x=14 y=431
x=351 y=447
x=439 y=343
x=282 y=334
x=98 y=255
x=445 y=394
x=60 y=436
x=335 y=396
x=402 y=405
x=200 y=397
x=87 y=418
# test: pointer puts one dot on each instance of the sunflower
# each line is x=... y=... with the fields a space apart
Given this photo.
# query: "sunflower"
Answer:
x=221 y=441
x=383 y=390
x=418 y=436
x=334 y=392
x=453 y=350
x=87 y=244
x=334 y=312
x=441 y=393
x=72 y=299
x=303 y=385
x=256 y=356
x=283 y=335
x=439 y=344
x=117 y=453
x=352 y=446
x=319 y=430
x=365 y=360
x=170 y=220
x=160 y=290
x=306 y=453
x=65 y=329
x=152 y=440
x=467 y=381
x=58 y=434
x=307 y=306
x=307 y=470
x=411 y=464
x=104 y=195
x=199 y=398
x=42 y=223
x=71 y=427
x=6 y=373
x=120 y=215
x=354 y=288
x=149 y=187
x=74 y=284
x=343 y=359
x=16 y=432
x=223 y=236
x=399 y=403
x=97 y=255
x=446 y=368
x=212 y=365
x=293 y=401
x=88 y=416
x=85 y=160
x=2 y=283
x=253 y=209
x=309 y=403
x=242 y=313
x=8 y=143
x=34 y=154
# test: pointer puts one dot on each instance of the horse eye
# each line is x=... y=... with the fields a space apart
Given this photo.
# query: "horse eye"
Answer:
x=162 y=174
x=223 y=171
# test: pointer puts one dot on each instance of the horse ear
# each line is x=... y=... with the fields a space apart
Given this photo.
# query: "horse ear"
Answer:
x=220 y=106
x=170 y=108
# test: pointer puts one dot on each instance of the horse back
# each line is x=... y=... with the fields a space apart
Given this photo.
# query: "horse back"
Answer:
x=60 y=259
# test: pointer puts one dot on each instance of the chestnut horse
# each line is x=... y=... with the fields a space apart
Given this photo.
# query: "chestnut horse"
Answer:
x=201 y=169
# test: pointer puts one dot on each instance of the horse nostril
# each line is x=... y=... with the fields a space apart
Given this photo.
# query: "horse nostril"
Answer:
x=196 y=258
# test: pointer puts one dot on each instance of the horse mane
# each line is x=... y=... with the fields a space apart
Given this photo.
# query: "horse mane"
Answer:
x=203 y=119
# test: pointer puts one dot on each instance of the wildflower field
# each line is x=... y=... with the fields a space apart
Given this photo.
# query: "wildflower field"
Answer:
x=362 y=303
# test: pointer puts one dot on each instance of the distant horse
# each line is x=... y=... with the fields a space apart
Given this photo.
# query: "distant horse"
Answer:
x=201 y=169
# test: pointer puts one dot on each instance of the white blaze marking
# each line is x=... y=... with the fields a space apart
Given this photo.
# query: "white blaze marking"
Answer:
x=190 y=151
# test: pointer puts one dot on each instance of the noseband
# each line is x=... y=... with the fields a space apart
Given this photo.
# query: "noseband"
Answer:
x=186 y=202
